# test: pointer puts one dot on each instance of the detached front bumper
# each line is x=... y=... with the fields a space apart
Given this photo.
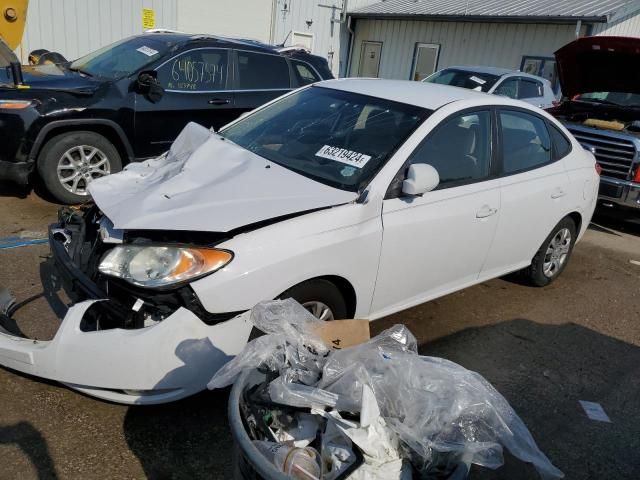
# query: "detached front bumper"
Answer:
x=620 y=192
x=169 y=360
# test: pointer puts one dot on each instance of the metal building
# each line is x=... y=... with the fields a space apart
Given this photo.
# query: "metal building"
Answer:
x=410 y=39
x=77 y=27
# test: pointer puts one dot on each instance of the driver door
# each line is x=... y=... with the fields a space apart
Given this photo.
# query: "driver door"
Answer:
x=437 y=243
x=196 y=90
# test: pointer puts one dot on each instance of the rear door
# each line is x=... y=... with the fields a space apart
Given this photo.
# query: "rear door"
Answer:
x=534 y=190
x=196 y=85
x=259 y=77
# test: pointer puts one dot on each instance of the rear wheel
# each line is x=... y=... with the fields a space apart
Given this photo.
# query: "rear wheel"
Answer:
x=69 y=162
x=553 y=256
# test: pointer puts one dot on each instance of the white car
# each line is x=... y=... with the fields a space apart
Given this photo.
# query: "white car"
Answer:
x=359 y=198
x=499 y=81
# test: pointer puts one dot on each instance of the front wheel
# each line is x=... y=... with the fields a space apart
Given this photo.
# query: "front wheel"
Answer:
x=69 y=162
x=553 y=256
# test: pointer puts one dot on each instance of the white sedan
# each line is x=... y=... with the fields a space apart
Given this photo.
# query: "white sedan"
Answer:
x=359 y=198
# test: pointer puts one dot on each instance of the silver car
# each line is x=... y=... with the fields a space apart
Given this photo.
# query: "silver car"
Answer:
x=499 y=81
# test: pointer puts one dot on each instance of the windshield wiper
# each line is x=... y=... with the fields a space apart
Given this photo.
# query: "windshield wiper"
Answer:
x=83 y=72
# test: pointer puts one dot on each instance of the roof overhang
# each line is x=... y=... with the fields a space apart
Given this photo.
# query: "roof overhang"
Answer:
x=568 y=20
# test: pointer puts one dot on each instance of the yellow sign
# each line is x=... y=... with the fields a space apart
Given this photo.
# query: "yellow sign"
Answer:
x=148 y=18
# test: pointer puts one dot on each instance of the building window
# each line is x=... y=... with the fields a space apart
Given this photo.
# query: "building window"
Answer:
x=544 y=67
x=425 y=60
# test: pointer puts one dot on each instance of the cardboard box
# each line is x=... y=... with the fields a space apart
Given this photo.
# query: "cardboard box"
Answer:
x=344 y=333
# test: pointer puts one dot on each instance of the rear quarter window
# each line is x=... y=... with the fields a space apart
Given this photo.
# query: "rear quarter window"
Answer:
x=561 y=144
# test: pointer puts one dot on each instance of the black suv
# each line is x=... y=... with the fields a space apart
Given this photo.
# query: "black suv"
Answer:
x=73 y=122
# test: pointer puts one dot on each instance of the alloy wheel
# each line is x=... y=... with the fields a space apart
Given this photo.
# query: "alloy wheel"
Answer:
x=319 y=310
x=557 y=253
x=79 y=166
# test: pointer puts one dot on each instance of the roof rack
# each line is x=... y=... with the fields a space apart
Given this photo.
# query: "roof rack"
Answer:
x=163 y=30
x=292 y=48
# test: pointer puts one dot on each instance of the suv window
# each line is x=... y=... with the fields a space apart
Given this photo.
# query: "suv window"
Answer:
x=259 y=71
x=525 y=141
x=304 y=73
x=198 y=70
x=561 y=144
x=459 y=148
x=529 y=89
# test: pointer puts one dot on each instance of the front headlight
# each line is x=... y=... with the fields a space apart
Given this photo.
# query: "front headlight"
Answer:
x=157 y=266
x=14 y=104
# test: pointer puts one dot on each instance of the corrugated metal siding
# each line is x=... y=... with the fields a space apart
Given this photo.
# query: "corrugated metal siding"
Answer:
x=77 y=27
x=628 y=26
x=461 y=43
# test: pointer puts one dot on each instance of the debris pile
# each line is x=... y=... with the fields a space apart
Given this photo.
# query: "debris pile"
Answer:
x=371 y=411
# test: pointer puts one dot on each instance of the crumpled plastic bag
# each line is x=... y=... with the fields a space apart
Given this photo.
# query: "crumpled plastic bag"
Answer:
x=435 y=406
x=289 y=346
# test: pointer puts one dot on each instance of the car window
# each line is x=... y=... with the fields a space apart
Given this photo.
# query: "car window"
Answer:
x=508 y=88
x=525 y=141
x=561 y=144
x=464 y=79
x=304 y=73
x=529 y=89
x=197 y=70
x=258 y=71
x=341 y=139
x=459 y=149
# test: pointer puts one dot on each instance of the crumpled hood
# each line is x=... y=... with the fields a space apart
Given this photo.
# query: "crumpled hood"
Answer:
x=206 y=183
x=599 y=64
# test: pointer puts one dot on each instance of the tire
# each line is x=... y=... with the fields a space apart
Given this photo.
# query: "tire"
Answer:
x=70 y=150
x=554 y=254
x=318 y=291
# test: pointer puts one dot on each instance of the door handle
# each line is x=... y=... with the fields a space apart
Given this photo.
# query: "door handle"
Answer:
x=486 y=211
x=558 y=193
x=219 y=101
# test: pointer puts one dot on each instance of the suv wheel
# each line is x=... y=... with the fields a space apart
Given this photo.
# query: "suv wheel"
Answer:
x=69 y=162
x=553 y=256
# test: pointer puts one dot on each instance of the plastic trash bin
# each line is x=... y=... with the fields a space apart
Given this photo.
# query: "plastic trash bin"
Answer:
x=249 y=462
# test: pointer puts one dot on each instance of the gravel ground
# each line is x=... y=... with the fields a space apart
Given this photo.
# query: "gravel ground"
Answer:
x=543 y=349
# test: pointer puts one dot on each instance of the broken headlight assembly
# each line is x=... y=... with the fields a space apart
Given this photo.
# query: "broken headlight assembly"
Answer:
x=160 y=266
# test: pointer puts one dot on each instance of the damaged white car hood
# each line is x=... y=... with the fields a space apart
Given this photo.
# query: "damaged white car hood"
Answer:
x=206 y=183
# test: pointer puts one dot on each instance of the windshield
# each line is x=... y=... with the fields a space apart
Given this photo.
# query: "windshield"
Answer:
x=122 y=58
x=338 y=138
x=481 y=82
x=612 y=98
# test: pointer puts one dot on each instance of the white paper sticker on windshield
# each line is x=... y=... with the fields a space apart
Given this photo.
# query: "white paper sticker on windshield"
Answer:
x=342 y=155
x=477 y=80
x=149 y=52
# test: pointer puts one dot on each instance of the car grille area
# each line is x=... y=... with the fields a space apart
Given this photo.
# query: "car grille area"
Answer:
x=615 y=155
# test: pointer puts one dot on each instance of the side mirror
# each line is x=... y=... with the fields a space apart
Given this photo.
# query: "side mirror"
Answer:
x=147 y=84
x=421 y=178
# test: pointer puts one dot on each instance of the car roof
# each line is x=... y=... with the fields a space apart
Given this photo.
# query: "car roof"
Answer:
x=501 y=72
x=421 y=94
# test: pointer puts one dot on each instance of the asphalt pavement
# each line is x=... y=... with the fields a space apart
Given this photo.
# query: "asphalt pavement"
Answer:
x=544 y=349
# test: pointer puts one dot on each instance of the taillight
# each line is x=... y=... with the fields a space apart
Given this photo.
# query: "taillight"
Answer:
x=598 y=169
x=636 y=177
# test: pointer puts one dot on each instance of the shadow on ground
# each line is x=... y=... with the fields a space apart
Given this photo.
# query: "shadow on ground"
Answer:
x=32 y=444
x=186 y=439
x=542 y=370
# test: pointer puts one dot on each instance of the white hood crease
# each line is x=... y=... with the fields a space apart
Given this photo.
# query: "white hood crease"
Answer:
x=206 y=183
